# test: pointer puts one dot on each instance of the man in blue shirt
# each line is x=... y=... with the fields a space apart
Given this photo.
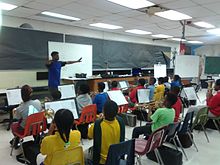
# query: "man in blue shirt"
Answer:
x=152 y=88
x=54 y=69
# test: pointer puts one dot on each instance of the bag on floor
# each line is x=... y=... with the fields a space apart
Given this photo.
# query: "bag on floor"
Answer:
x=169 y=156
x=211 y=125
x=141 y=114
x=185 y=140
x=129 y=119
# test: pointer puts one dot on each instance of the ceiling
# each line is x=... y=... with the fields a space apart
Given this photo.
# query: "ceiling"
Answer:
x=93 y=11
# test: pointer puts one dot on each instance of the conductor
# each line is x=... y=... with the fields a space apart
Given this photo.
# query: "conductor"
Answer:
x=54 y=69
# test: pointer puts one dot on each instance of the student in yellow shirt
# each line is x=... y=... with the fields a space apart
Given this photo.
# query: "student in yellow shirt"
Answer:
x=63 y=138
x=159 y=91
x=105 y=132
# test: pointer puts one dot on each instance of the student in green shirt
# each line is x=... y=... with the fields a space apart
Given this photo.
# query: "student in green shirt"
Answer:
x=160 y=118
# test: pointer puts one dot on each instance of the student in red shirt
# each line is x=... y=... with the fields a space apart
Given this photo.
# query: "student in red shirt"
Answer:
x=213 y=102
x=178 y=105
x=133 y=94
x=114 y=86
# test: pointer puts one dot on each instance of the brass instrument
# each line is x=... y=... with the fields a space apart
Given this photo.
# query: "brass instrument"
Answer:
x=49 y=113
x=153 y=105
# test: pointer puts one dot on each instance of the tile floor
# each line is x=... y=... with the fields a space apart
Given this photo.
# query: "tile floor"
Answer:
x=209 y=153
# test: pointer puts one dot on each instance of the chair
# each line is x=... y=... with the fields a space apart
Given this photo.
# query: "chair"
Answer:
x=88 y=115
x=123 y=108
x=117 y=152
x=73 y=156
x=186 y=127
x=155 y=140
x=215 y=120
x=35 y=124
x=172 y=131
x=201 y=119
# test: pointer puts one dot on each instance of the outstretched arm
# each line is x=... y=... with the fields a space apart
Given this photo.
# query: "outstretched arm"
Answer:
x=72 y=62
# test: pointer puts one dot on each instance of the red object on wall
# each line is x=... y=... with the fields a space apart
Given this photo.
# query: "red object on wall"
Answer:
x=182 y=48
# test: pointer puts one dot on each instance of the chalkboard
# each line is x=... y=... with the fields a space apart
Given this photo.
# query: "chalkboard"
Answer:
x=121 y=54
x=24 y=49
x=212 y=65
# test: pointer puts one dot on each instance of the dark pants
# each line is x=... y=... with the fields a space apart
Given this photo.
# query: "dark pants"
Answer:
x=143 y=130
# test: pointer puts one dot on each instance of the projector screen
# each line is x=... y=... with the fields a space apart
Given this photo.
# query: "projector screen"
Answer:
x=187 y=66
x=72 y=52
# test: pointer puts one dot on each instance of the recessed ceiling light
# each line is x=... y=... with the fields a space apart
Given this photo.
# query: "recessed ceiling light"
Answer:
x=136 y=31
x=214 y=31
x=106 y=26
x=178 y=39
x=204 y=24
x=161 y=36
x=7 y=6
x=195 y=42
x=133 y=4
x=173 y=15
x=61 y=16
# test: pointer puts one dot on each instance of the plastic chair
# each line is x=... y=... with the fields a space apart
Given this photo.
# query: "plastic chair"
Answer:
x=88 y=115
x=35 y=124
x=123 y=108
x=172 y=131
x=117 y=152
x=74 y=156
x=142 y=146
x=215 y=120
x=186 y=127
x=201 y=119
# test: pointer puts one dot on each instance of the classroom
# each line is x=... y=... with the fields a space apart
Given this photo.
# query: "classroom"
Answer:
x=109 y=82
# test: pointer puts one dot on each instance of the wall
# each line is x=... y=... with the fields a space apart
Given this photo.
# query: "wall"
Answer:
x=11 y=79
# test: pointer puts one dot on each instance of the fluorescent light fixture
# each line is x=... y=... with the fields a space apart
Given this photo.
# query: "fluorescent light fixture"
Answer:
x=133 y=4
x=195 y=42
x=161 y=36
x=136 y=31
x=204 y=24
x=173 y=15
x=61 y=16
x=214 y=31
x=106 y=26
x=178 y=39
x=7 y=6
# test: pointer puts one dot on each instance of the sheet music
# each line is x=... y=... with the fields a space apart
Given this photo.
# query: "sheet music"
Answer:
x=143 y=95
x=160 y=70
x=190 y=93
x=117 y=96
x=14 y=96
x=67 y=91
x=123 y=84
x=63 y=104
x=106 y=87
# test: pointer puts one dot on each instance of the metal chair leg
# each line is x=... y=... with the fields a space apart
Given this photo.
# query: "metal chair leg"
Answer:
x=159 y=158
x=183 y=151
x=12 y=147
x=191 y=139
x=216 y=125
x=204 y=130
x=175 y=144
x=139 y=160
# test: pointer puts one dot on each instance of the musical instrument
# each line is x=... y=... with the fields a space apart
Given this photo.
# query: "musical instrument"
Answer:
x=153 y=105
x=49 y=113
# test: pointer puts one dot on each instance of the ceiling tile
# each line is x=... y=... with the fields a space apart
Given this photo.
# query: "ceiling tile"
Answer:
x=57 y=3
x=21 y=12
x=197 y=11
x=16 y=2
x=213 y=7
x=204 y=1
x=39 y=6
x=178 y=4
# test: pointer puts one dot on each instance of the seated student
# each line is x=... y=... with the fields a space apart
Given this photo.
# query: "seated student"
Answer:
x=110 y=130
x=176 y=81
x=213 y=102
x=101 y=97
x=55 y=94
x=160 y=118
x=159 y=91
x=152 y=88
x=60 y=135
x=83 y=99
x=133 y=94
x=166 y=84
x=114 y=86
x=178 y=105
x=21 y=113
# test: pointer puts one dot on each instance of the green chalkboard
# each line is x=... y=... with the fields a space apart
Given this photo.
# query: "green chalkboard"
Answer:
x=212 y=65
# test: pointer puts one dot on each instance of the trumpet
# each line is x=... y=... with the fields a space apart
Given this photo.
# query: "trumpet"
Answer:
x=49 y=113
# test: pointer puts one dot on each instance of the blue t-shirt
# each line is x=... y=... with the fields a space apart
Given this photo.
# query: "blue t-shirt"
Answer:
x=54 y=70
x=176 y=83
x=151 y=95
x=100 y=100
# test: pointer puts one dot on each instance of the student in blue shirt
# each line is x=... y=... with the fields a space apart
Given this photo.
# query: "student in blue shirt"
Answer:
x=151 y=87
x=54 y=69
x=101 y=97
x=176 y=81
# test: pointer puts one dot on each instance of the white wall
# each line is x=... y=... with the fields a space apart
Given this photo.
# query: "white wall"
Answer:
x=13 y=78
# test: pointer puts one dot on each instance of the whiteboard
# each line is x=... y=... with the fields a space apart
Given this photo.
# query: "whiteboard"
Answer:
x=118 y=97
x=143 y=95
x=72 y=52
x=14 y=96
x=187 y=66
x=160 y=70
x=67 y=91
